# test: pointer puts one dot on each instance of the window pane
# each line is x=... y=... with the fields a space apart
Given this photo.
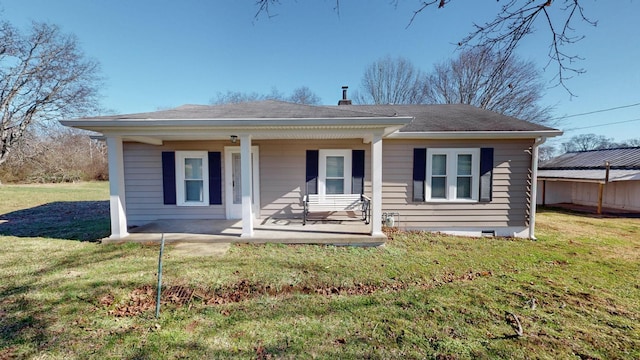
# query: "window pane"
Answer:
x=464 y=188
x=439 y=165
x=334 y=186
x=438 y=188
x=193 y=168
x=335 y=166
x=193 y=190
x=464 y=164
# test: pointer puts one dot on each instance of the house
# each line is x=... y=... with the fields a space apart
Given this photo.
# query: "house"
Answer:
x=608 y=178
x=447 y=168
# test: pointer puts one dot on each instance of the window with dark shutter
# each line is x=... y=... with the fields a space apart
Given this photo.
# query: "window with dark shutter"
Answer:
x=215 y=178
x=169 y=177
x=357 y=172
x=486 y=174
x=419 y=173
x=312 y=172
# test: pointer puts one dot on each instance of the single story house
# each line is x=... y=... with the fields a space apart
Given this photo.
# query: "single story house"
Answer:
x=608 y=178
x=447 y=168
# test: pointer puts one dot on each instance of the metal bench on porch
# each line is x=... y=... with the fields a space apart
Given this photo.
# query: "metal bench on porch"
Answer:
x=336 y=202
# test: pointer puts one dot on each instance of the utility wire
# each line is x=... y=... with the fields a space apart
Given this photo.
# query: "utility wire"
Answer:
x=599 y=125
x=597 y=111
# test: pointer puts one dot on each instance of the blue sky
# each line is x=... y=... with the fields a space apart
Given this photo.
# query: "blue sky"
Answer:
x=160 y=54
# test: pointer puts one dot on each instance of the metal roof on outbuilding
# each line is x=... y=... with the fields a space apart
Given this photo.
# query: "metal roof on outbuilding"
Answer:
x=620 y=158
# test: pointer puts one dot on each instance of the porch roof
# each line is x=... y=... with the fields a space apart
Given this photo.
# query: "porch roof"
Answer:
x=262 y=120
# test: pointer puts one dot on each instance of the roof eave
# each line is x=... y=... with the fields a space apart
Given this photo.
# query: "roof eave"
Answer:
x=238 y=123
x=502 y=134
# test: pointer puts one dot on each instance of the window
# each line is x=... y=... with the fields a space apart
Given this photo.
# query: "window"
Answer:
x=452 y=174
x=192 y=178
x=334 y=175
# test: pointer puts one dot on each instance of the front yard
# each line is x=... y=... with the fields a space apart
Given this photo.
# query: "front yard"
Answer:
x=574 y=292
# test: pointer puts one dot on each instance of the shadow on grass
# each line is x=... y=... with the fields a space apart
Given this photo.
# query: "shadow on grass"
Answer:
x=66 y=220
x=36 y=303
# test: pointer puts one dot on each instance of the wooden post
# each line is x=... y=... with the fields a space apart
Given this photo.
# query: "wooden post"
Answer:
x=601 y=186
x=600 y=192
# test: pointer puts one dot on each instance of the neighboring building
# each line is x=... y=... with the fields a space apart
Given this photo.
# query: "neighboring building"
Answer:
x=448 y=168
x=608 y=178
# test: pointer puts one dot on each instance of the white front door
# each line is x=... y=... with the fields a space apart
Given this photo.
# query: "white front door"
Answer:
x=233 y=182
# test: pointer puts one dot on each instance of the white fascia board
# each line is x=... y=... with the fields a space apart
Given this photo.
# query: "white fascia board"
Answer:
x=238 y=123
x=475 y=134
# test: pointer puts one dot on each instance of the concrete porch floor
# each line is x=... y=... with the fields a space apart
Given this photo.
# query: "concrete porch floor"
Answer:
x=268 y=230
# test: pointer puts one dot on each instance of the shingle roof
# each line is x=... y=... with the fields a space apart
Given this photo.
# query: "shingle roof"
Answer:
x=427 y=118
x=453 y=117
x=620 y=158
x=268 y=109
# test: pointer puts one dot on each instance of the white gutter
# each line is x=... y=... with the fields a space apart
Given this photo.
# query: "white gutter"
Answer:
x=503 y=134
x=116 y=122
x=534 y=186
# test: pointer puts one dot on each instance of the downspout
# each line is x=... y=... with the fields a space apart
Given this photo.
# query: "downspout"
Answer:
x=534 y=186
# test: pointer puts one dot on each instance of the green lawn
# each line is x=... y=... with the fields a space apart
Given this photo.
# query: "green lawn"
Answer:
x=575 y=291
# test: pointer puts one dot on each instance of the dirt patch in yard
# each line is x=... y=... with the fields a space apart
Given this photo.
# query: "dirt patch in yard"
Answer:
x=143 y=299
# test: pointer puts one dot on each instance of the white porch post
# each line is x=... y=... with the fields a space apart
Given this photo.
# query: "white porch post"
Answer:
x=247 y=188
x=116 y=188
x=376 y=185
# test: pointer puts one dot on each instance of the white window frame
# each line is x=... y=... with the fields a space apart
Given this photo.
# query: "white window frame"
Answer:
x=322 y=168
x=180 y=179
x=452 y=174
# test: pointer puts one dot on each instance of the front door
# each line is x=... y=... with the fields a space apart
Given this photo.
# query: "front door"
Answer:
x=233 y=182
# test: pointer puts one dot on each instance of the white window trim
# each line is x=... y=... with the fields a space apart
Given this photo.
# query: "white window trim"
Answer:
x=180 y=189
x=322 y=168
x=452 y=174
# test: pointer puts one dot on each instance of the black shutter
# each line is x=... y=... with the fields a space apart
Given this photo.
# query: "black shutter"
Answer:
x=419 y=173
x=312 y=171
x=357 y=172
x=215 y=178
x=169 y=177
x=486 y=174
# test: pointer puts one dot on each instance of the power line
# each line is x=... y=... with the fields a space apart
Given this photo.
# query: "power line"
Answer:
x=597 y=111
x=599 y=125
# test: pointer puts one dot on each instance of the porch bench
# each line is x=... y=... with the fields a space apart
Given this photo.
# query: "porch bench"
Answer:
x=336 y=202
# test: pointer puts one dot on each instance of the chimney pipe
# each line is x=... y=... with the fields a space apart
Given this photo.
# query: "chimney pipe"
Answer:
x=344 y=100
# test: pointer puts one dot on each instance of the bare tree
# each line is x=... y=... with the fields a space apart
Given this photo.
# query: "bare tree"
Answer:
x=392 y=81
x=479 y=77
x=44 y=76
x=301 y=95
x=631 y=143
x=585 y=142
x=304 y=95
x=515 y=20
x=236 y=97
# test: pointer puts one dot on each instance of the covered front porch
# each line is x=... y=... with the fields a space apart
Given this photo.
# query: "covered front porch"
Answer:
x=247 y=162
x=334 y=231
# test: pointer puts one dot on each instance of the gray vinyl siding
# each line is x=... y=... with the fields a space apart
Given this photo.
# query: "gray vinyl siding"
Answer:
x=282 y=173
x=282 y=178
x=511 y=178
x=143 y=184
x=282 y=182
